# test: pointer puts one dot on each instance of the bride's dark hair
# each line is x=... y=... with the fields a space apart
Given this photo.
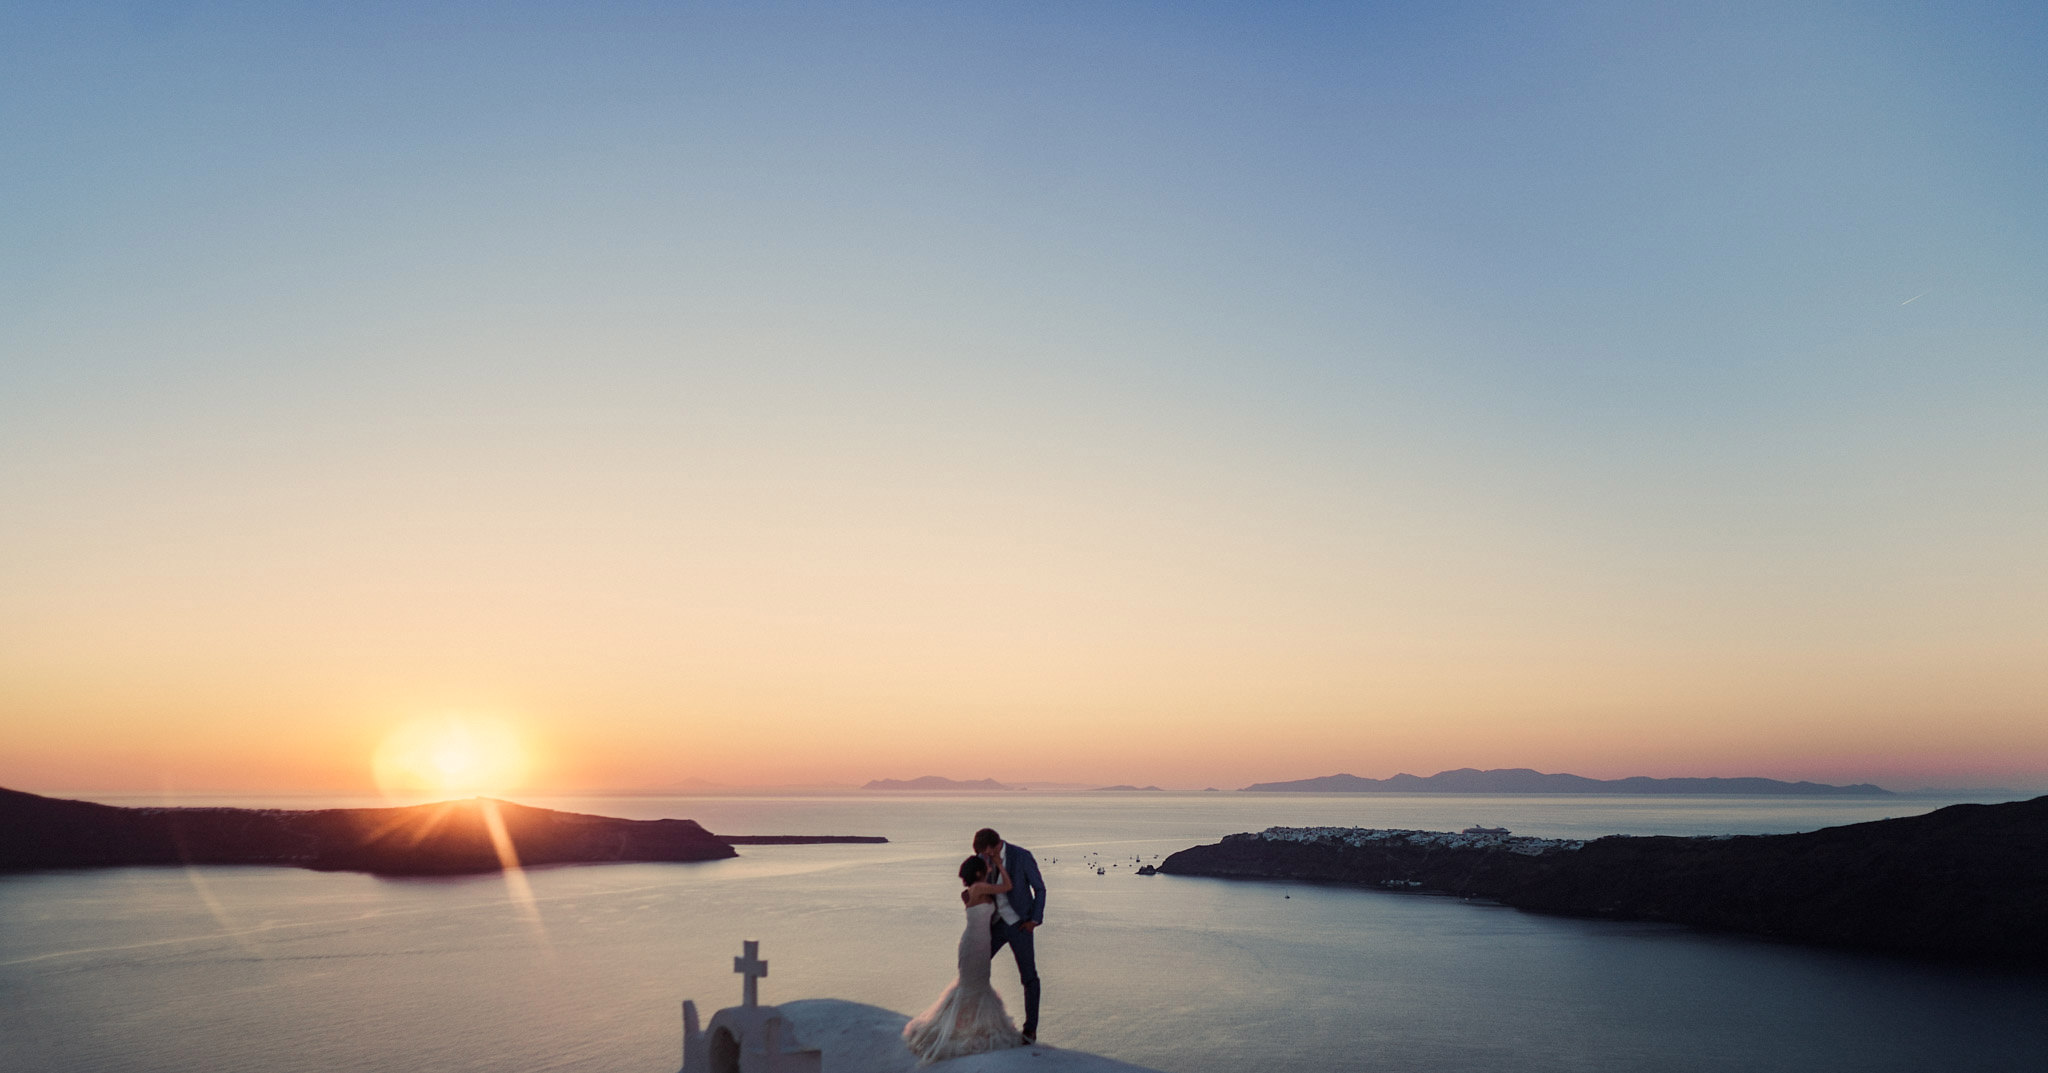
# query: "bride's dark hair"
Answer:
x=972 y=869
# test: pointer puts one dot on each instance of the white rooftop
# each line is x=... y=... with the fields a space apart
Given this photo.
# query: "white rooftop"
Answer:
x=832 y=1036
x=857 y=1038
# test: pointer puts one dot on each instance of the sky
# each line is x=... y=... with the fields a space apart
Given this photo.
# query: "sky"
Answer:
x=1190 y=394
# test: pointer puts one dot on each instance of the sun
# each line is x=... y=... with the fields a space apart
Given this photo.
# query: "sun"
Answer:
x=460 y=756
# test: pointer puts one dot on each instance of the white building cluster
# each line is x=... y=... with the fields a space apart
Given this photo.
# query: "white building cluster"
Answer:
x=1365 y=836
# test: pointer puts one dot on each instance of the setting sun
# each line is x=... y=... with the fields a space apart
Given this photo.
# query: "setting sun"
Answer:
x=456 y=755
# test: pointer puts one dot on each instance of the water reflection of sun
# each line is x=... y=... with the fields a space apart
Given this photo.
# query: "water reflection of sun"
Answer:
x=458 y=756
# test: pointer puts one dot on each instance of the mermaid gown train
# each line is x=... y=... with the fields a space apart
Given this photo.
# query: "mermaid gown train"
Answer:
x=969 y=1018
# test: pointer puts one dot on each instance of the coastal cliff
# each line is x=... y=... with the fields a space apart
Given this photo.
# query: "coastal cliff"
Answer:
x=444 y=838
x=1967 y=881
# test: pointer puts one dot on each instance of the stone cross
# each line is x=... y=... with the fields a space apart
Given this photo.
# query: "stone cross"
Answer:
x=753 y=968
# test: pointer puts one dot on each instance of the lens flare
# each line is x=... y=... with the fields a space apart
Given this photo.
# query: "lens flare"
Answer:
x=459 y=756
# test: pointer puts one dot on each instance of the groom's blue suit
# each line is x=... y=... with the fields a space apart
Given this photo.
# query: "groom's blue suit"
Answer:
x=1027 y=896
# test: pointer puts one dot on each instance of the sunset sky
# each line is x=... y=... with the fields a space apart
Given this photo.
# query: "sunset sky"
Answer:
x=1162 y=393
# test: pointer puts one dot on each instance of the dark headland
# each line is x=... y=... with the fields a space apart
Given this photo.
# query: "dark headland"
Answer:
x=449 y=837
x=1521 y=780
x=1967 y=881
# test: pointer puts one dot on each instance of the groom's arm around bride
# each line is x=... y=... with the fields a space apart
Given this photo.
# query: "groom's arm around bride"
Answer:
x=1027 y=890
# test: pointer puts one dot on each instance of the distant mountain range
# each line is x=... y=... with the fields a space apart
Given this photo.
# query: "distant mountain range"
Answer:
x=1521 y=780
x=1125 y=787
x=935 y=782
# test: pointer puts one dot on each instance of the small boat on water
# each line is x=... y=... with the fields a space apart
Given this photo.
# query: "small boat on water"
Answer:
x=1484 y=831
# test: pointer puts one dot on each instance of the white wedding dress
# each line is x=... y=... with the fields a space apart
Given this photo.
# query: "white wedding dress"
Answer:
x=969 y=1018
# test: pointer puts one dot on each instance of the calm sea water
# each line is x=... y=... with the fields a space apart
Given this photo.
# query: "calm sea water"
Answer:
x=277 y=970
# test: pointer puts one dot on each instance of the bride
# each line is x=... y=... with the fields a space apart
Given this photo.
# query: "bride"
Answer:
x=969 y=1018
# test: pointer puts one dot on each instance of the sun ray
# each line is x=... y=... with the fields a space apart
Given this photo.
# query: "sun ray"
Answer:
x=206 y=896
x=516 y=886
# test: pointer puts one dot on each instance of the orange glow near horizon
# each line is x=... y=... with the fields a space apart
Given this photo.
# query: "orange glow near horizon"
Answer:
x=765 y=735
x=458 y=756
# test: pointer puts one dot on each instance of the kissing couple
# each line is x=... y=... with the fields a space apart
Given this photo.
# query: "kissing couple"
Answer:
x=1005 y=899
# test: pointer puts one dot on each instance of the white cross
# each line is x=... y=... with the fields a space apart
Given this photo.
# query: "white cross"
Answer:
x=753 y=968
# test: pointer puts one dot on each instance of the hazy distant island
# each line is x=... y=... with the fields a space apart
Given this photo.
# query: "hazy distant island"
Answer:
x=445 y=838
x=799 y=840
x=935 y=782
x=1521 y=780
x=1126 y=788
x=1966 y=881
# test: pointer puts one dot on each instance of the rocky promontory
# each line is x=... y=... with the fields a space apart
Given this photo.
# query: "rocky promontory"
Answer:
x=475 y=835
x=1967 y=881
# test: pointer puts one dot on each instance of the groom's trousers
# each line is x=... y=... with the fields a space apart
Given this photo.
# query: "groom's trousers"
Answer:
x=1020 y=942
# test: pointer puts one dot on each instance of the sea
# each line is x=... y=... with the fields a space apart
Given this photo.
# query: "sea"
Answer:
x=583 y=968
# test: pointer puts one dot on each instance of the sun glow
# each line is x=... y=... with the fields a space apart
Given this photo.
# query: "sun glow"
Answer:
x=454 y=755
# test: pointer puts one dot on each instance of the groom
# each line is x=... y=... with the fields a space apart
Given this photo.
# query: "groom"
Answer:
x=1018 y=914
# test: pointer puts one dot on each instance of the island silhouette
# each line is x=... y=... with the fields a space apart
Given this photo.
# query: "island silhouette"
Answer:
x=1966 y=881
x=935 y=782
x=449 y=837
x=1521 y=780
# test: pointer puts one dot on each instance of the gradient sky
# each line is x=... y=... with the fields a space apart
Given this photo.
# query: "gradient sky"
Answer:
x=1161 y=393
